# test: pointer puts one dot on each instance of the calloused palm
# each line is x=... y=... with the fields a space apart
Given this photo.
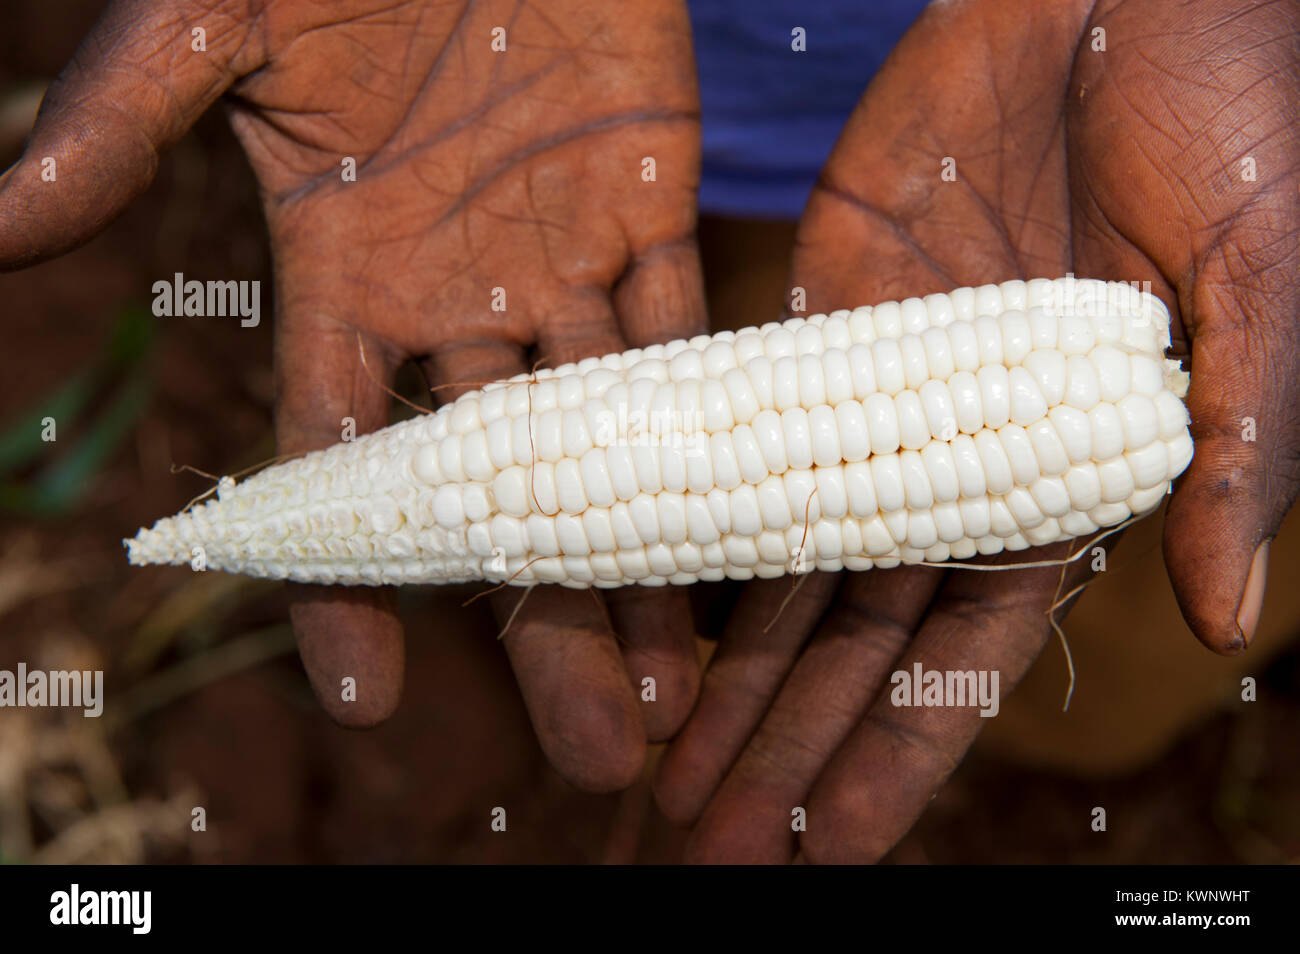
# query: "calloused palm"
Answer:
x=1127 y=165
x=496 y=144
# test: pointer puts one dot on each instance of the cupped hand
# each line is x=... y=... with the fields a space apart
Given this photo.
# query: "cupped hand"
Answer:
x=524 y=189
x=1124 y=164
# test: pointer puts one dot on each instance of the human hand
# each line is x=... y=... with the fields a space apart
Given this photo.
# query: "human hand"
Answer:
x=475 y=169
x=1125 y=164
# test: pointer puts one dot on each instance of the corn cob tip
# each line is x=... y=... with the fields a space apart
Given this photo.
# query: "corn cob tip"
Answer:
x=155 y=545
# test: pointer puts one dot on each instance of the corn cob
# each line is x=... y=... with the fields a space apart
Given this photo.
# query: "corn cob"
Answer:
x=990 y=418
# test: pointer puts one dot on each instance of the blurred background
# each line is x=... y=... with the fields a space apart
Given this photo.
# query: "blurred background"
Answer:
x=207 y=705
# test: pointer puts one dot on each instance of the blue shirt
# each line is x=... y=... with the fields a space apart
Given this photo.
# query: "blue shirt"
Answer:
x=771 y=115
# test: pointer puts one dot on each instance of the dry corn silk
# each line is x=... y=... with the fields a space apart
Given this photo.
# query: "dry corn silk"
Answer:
x=932 y=429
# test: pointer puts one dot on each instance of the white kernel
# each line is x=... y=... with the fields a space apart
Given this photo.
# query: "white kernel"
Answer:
x=941 y=468
x=1179 y=451
x=749 y=456
x=1171 y=414
x=861 y=489
x=547 y=436
x=424 y=464
x=542 y=491
x=1116 y=480
x=808 y=339
x=1147 y=375
x=1044 y=326
x=1082 y=389
x=448 y=507
x=740 y=392
x=861 y=326
x=1150 y=465
x=798 y=438
x=1027 y=403
x=645 y=459
x=824 y=432
x=1051 y=495
x=1020 y=452
x=1075 y=431
x=746 y=518
x=862 y=367
x=773 y=506
x=938 y=353
x=510 y=491
x=916 y=370
x=888 y=360
x=988 y=335
x=913 y=429
x=672 y=464
x=988 y=300
x=888 y=319
x=965 y=346
x=921 y=530
x=940 y=410
x=1023 y=507
x=672 y=517
x=474 y=456
x=700 y=477
x=1076 y=336
x=976 y=516
x=916 y=481
x=1140 y=420
x=887 y=480
x=1144 y=501
x=644 y=512
x=1084 y=486
x=1048 y=448
x=1048 y=368
x=963 y=303
x=832 y=495
x=940 y=310
x=995 y=395
x=997 y=464
x=596 y=478
x=785 y=383
x=914 y=315
x=568 y=481
x=882 y=423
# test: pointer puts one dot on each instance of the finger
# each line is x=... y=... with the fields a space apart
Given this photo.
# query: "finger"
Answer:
x=1232 y=263
x=757 y=650
x=1245 y=472
x=343 y=632
x=565 y=656
x=661 y=295
x=657 y=635
x=838 y=675
x=574 y=685
x=1245 y=369
x=893 y=762
x=653 y=626
x=134 y=86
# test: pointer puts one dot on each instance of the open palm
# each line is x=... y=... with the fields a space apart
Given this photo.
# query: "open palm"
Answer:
x=463 y=184
x=1123 y=164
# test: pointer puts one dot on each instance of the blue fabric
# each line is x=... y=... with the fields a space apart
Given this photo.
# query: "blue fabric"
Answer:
x=771 y=115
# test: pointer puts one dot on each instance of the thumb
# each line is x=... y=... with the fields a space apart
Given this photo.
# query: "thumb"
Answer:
x=137 y=82
x=1245 y=474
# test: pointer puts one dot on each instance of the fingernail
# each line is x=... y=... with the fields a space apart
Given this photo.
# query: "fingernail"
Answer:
x=1252 y=598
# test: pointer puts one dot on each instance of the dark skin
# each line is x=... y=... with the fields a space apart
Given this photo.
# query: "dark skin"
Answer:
x=1121 y=164
x=1048 y=181
x=474 y=169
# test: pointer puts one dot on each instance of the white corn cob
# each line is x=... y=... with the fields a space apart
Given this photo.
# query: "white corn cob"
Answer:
x=990 y=418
